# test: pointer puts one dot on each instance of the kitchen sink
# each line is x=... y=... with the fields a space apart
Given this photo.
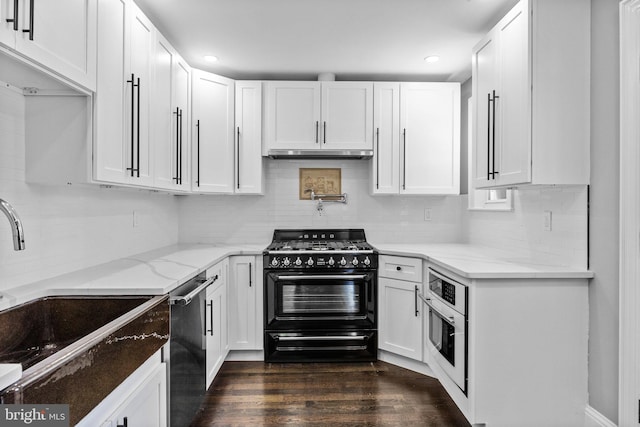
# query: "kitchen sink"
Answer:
x=76 y=350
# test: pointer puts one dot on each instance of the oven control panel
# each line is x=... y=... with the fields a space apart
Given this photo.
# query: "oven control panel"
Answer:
x=337 y=261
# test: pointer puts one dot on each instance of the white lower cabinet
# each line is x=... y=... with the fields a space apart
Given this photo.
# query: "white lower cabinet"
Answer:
x=216 y=325
x=146 y=406
x=245 y=303
x=139 y=401
x=399 y=308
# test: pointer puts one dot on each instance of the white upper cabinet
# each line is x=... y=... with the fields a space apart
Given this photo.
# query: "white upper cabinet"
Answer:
x=347 y=115
x=249 y=161
x=386 y=128
x=318 y=115
x=170 y=103
x=122 y=149
x=292 y=115
x=60 y=35
x=531 y=97
x=213 y=131
x=417 y=138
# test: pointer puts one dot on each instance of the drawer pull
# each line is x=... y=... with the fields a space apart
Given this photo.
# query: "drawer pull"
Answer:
x=398 y=268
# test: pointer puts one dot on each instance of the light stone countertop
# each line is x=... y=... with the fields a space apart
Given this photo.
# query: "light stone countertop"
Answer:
x=481 y=262
x=160 y=271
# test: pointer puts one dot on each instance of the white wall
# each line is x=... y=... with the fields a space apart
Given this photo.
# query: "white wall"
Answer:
x=69 y=227
x=605 y=189
x=252 y=219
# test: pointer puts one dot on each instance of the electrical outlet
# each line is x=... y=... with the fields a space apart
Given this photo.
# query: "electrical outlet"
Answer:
x=547 y=220
x=427 y=214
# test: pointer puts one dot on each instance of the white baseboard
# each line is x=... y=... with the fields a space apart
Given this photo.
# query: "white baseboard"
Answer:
x=245 y=356
x=593 y=418
x=406 y=363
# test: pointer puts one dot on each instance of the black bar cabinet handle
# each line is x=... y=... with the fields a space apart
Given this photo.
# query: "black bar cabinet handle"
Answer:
x=494 y=171
x=30 y=29
x=15 y=16
x=404 y=158
x=125 y=423
x=138 y=131
x=317 y=130
x=198 y=156
x=133 y=86
x=488 y=136
x=250 y=280
x=176 y=176
x=238 y=160
x=415 y=300
x=210 y=304
x=324 y=132
x=377 y=158
x=180 y=150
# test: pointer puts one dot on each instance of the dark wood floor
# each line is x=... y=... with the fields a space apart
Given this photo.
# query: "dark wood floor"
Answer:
x=325 y=394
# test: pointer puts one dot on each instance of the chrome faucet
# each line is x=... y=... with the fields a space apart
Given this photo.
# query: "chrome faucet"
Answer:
x=16 y=225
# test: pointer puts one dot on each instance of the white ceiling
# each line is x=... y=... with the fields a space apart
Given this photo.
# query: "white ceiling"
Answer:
x=354 y=39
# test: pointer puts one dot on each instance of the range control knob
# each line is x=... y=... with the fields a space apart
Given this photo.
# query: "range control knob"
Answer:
x=354 y=261
x=286 y=262
x=310 y=262
x=343 y=261
x=298 y=261
x=367 y=261
x=331 y=262
x=275 y=262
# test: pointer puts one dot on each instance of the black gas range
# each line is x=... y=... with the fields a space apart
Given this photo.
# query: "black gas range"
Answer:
x=320 y=296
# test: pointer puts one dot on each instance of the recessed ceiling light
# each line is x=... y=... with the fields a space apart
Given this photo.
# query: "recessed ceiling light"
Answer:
x=211 y=58
x=431 y=59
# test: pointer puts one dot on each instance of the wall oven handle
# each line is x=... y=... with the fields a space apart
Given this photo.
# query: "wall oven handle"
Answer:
x=449 y=319
x=186 y=299
x=321 y=338
x=324 y=276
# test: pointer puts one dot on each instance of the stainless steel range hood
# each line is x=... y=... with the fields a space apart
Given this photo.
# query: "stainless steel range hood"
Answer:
x=320 y=154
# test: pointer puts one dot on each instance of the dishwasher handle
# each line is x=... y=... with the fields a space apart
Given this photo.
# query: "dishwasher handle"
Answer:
x=186 y=299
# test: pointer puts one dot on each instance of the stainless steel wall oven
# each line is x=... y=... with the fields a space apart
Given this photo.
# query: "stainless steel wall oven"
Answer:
x=447 y=335
x=320 y=296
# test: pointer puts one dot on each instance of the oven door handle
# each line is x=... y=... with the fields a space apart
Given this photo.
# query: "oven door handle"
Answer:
x=322 y=338
x=324 y=276
x=449 y=319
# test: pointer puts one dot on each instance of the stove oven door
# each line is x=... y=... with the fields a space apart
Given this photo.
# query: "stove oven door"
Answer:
x=303 y=300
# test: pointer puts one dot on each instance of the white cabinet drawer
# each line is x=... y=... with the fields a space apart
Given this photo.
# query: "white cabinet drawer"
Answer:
x=401 y=268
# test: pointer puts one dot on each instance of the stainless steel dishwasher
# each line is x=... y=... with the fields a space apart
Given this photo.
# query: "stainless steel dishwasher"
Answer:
x=187 y=354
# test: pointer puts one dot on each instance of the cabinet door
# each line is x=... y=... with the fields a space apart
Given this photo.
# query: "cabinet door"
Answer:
x=61 y=36
x=249 y=172
x=8 y=23
x=347 y=115
x=181 y=83
x=292 y=115
x=216 y=329
x=513 y=105
x=430 y=150
x=245 y=322
x=386 y=125
x=165 y=139
x=213 y=104
x=113 y=139
x=484 y=84
x=147 y=406
x=170 y=118
x=141 y=68
x=400 y=316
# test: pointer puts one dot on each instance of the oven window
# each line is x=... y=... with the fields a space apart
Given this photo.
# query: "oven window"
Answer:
x=442 y=336
x=325 y=298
